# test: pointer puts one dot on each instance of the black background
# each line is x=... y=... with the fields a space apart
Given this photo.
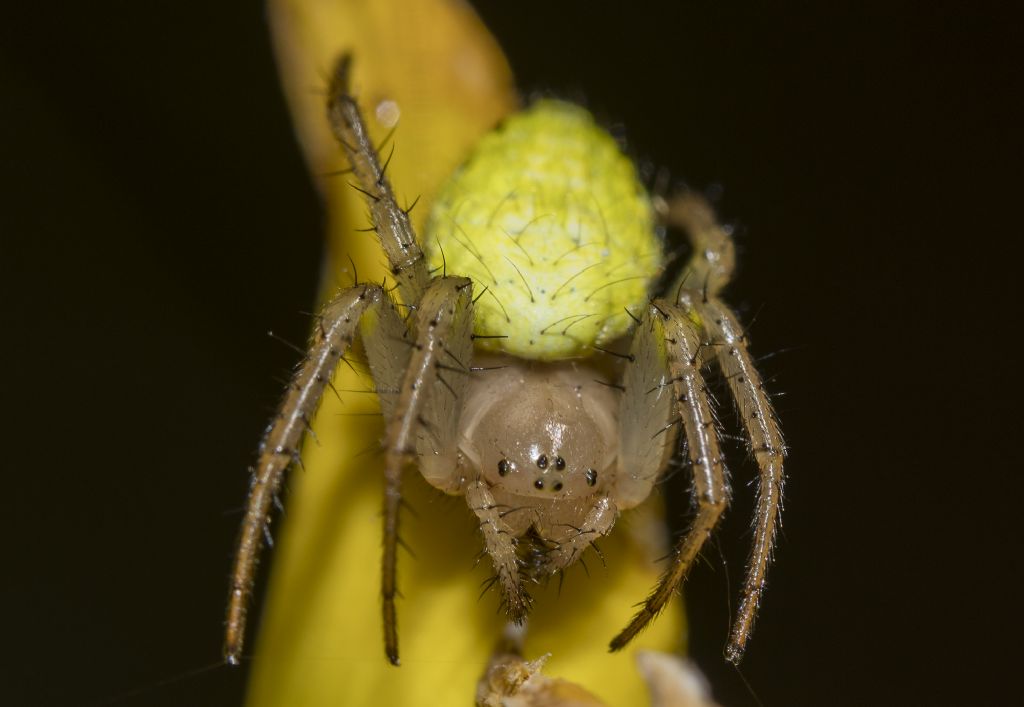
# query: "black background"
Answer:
x=156 y=221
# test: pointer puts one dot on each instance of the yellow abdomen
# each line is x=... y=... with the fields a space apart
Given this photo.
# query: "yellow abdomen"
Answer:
x=549 y=216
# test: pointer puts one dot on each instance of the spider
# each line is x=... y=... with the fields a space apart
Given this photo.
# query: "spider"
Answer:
x=488 y=380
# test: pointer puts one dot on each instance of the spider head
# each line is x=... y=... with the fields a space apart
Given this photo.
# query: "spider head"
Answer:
x=543 y=441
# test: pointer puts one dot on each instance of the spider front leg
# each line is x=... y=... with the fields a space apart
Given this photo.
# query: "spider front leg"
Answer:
x=425 y=416
x=390 y=221
x=336 y=328
x=682 y=346
x=334 y=335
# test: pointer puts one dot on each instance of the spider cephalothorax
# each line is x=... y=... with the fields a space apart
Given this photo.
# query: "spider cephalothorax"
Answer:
x=542 y=253
x=548 y=435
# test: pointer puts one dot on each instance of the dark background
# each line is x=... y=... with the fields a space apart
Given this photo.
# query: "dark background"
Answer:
x=156 y=221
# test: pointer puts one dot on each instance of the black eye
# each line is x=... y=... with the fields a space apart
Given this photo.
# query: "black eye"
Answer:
x=559 y=463
x=542 y=461
x=591 y=477
x=503 y=467
x=539 y=483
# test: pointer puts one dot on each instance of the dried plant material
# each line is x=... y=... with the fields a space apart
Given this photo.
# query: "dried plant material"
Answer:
x=511 y=681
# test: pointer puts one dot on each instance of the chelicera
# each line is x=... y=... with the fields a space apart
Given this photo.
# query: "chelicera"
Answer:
x=530 y=369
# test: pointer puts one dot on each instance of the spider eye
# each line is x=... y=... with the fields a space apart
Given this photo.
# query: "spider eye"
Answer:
x=542 y=461
x=503 y=467
x=559 y=463
x=591 y=477
x=539 y=483
x=557 y=486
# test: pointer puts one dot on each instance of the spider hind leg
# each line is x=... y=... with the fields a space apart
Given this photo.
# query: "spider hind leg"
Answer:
x=766 y=446
x=697 y=291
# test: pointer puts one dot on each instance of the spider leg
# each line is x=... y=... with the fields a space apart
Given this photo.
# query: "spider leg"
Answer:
x=443 y=312
x=445 y=315
x=714 y=254
x=280 y=445
x=648 y=420
x=390 y=221
x=697 y=289
x=682 y=335
x=768 y=449
x=597 y=523
x=500 y=544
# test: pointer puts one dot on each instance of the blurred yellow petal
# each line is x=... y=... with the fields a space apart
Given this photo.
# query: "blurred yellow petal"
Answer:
x=431 y=65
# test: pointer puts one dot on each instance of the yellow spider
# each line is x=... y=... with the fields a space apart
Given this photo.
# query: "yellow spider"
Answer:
x=527 y=367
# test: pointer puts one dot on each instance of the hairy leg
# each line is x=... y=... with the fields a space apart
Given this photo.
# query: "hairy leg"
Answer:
x=767 y=448
x=280 y=446
x=714 y=255
x=445 y=315
x=708 y=271
x=445 y=320
x=390 y=221
x=711 y=491
x=647 y=415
